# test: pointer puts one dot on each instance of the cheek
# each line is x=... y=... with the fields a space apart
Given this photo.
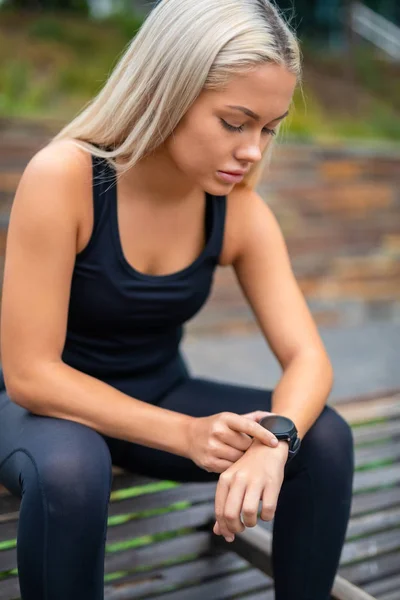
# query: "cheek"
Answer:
x=197 y=149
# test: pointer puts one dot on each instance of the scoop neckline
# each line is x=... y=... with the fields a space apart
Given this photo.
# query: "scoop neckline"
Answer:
x=147 y=276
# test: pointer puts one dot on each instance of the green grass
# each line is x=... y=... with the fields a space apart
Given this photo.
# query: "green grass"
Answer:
x=42 y=75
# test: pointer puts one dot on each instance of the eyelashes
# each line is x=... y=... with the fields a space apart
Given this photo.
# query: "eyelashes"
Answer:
x=240 y=129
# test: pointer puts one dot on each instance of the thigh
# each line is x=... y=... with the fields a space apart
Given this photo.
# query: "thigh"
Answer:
x=198 y=398
x=52 y=451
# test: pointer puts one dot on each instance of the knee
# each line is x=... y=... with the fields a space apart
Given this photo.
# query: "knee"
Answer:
x=331 y=439
x=74 y=477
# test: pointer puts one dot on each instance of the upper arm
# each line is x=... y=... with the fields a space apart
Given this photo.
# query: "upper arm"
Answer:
x=262 y=266
x=39 y=261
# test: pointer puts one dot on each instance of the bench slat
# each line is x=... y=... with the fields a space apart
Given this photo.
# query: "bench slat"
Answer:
x=187 y=492
x=378 y=431
x=377 y=588
x=372 y=545
x=373 y=501
x=390 y=596
x=253 y=544
x=8 y=560
x=372 y=569
x=156 y=553
x=374 y=522
x=190 y=517
x=9 y=588
x=221 y=588
x=374 y=478
x=382 y=452
x=368 y=410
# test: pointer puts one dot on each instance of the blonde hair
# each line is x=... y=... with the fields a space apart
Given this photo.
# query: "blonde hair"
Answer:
x=183 y=47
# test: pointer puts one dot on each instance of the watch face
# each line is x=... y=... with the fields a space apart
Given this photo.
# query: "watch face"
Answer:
x=279 y=424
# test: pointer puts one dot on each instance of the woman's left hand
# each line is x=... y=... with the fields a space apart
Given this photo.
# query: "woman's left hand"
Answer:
x=258 y=474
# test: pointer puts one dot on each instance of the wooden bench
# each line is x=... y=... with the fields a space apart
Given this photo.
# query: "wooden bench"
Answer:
x=160 y=544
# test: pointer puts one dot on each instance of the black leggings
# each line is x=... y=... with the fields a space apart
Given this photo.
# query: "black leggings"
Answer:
x=62 y=470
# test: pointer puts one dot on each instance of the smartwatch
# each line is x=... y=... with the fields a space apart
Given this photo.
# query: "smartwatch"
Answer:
x=283 y=429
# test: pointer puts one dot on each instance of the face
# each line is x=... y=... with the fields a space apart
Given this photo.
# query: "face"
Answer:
x=214 y=137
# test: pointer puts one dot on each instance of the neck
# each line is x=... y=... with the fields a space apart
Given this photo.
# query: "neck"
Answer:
x=157 y=177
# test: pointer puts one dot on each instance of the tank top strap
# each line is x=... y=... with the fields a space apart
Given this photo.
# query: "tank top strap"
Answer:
x=218 y=225
x=103 y=181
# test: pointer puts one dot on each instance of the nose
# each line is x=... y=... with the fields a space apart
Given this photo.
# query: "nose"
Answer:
x=249 y=153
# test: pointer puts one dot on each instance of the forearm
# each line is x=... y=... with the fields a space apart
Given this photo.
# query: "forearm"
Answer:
x=63 y=392
x=303 y=390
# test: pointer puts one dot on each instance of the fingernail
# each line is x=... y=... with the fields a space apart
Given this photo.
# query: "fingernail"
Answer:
x=275 y=442
x=230 y=539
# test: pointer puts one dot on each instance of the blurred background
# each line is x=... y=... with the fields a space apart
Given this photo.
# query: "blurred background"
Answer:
x=333 y=182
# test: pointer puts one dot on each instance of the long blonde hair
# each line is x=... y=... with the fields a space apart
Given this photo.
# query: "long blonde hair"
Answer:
x=183 y=47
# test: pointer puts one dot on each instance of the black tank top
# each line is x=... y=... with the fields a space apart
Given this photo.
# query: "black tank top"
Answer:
x=125 y=327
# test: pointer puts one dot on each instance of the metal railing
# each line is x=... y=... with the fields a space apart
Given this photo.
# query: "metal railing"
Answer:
x=376 y=29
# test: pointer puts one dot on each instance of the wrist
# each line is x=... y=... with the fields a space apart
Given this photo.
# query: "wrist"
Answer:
x=187 y=424
x=281 y=450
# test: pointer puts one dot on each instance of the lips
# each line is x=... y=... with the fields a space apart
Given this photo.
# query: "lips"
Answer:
x=240 y=173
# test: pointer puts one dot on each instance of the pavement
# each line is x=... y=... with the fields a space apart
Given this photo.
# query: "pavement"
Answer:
x=365 y=359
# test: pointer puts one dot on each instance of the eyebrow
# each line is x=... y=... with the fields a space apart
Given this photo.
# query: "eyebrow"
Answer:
x=253 y=115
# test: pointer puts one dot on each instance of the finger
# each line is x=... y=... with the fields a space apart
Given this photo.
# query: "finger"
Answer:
x=221 y=495
x=226 y=452
x=240 y=423
x=220 y=466
x=233 y=439
x=269 y=502
x=251 y=504
x=257 y=415
x=233 y=505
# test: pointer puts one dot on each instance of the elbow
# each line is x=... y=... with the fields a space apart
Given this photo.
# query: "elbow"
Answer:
x=22 y=391
x=17 y=393
x=319 y=362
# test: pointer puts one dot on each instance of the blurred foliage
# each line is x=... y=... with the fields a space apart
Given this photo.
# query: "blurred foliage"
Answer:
x=78 y=6
x=51 y=66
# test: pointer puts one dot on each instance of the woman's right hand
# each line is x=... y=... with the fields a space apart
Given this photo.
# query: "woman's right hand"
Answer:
x=218 y=441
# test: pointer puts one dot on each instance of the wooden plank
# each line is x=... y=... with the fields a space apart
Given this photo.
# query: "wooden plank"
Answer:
x=370 y=454
x=374 y=522
x=221 y=588
x=154 y=554
x=371 y=397
x=388 y=584
x=378 y=431
x=372 y=569
x=193 y=492
x=390 y=596
x=190 y=517
x=375 y=478
x=375 y=501
x=255 y=545
x=9 y=588
x=8 y=560
x=368 y=410
x=373 y=545
x=269 y=595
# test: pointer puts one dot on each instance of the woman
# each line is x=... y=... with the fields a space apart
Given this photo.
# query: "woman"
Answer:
x=116 y=230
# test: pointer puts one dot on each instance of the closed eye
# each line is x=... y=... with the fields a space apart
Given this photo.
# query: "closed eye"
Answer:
x=240 y=129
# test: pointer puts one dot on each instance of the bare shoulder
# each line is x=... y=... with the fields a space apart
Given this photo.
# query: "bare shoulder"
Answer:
x=63 y=162
x=247 y=214
x=58 y=176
